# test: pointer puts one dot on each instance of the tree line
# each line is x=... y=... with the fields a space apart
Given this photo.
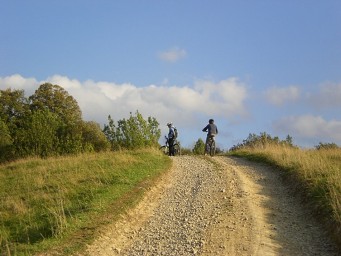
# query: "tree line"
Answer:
x=49 y=123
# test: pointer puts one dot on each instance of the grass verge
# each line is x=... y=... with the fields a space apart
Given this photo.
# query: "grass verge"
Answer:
x=59 y=204
x=316 y=175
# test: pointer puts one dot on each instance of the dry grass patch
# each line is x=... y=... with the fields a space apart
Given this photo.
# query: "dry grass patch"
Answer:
x=317 y=174
x=43 y=203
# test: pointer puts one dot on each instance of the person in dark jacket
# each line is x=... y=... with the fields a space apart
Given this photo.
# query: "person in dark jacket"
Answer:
x=171 y=139
x=212 y=131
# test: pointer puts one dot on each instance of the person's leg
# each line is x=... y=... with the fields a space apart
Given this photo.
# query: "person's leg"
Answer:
x=171 y=147
x=206 y=144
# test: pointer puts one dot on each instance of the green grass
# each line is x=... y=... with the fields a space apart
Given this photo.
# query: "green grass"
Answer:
x=316 y=174
x=59 y=204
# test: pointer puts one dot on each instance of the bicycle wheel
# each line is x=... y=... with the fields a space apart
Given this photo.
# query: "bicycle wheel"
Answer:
x=212 y=148
x=177 y=149
x=164 y=149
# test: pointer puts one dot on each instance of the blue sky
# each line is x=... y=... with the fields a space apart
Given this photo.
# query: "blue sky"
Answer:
x=253 y=66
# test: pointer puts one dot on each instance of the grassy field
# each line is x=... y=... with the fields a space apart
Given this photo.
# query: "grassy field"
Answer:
x=59 y=204
x=315 y=173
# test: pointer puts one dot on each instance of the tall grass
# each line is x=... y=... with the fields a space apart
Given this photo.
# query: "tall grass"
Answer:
x=45 y=203
x=317 y=173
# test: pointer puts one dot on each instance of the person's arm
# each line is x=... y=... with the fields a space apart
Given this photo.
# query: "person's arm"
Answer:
x=205 y=129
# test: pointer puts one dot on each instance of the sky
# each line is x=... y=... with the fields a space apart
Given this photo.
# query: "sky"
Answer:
x=253 y=66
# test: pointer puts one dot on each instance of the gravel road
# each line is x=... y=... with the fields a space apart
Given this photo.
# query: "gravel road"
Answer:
x=216 y=206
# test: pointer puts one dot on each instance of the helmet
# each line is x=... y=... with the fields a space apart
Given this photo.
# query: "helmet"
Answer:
x=169 y=124
x=211 y=121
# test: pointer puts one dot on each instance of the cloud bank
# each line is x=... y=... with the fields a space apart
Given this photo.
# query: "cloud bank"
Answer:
x=189 y=107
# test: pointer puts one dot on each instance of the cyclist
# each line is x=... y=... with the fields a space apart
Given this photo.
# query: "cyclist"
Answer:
x=212 y=131
x=171 y=138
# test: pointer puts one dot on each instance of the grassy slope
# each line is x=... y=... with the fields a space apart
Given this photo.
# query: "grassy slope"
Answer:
x=317 y=175
x=59 y=204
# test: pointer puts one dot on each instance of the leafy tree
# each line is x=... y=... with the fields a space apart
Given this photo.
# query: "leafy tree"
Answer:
x=13 y=108
x=5 y=141
x=39 y=135
x=199 y=147
x=134 y=132
x=93 y=137
x=57 y=100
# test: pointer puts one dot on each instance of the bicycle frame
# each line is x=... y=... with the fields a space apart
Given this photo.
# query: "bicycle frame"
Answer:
x=165 y=148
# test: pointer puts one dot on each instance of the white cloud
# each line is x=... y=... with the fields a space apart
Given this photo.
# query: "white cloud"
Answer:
x=173 y=55
x=329 y=95
x=179 y=104
x=280 y=95
x=310 y=126
x=65 y=81
x=225 y=98
x=16 y=81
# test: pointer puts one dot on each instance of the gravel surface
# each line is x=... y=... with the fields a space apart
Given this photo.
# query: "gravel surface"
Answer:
x=216 y=206
x=179 y=223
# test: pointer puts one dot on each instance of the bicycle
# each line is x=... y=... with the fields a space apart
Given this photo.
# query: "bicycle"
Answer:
x=211 y=148
x=176 y=145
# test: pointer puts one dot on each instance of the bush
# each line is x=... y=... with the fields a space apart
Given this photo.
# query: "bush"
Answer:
x=132 y=133
x=199 y=147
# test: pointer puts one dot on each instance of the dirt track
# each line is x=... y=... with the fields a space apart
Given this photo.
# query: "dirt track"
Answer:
x=225 y=207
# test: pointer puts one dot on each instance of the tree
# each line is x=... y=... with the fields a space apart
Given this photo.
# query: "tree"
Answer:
x=13 y=108
x=5 y=136
x=39 y=135
x=55 y=99
x=199 y=147
x=93 y=137
x=5 y=141
x=134 y=132
x=58 y=101
x=47 y=123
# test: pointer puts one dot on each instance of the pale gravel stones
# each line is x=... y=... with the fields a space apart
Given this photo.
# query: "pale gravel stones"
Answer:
x=179 y=223
x=226 y=206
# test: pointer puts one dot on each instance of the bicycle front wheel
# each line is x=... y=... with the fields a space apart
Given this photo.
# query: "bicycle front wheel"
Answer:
x=164 y=149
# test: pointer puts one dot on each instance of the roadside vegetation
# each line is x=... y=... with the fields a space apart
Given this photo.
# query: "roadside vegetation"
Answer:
x=58 y=204
x=62 y=178
x=49 y=123
x=315 y=173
